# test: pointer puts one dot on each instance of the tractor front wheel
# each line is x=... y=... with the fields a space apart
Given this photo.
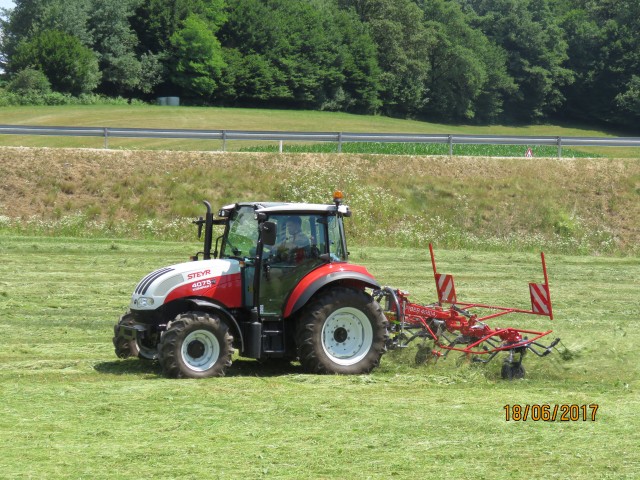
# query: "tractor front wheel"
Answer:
x=341 y=331
x=195 y=345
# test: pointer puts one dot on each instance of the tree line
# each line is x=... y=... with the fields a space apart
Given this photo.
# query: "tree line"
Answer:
x=444 y=60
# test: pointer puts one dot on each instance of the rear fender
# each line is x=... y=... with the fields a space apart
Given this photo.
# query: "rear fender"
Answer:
x=355 y=276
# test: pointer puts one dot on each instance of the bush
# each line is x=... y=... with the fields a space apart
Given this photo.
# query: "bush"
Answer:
x=29 y=81
x=70 y=66
x=8 y=98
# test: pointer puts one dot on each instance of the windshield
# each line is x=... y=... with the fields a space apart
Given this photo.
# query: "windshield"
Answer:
x=243 y=234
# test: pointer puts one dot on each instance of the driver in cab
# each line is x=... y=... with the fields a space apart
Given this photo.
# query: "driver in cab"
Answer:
x=295 y=244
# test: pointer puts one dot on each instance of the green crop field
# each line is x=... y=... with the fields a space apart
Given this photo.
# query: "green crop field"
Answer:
x=70 y=409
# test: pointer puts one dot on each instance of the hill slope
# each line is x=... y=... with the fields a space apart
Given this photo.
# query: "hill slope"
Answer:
x=569 y=205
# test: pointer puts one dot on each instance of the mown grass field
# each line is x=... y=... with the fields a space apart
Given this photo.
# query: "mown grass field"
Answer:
x=70 y=409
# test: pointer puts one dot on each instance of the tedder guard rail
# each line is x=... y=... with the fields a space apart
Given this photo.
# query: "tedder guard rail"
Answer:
x=456 y=328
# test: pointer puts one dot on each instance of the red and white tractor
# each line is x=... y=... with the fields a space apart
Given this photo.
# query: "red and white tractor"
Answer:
x=281 y=287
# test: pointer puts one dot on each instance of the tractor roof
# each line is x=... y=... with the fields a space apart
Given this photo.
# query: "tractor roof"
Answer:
x=283 y=207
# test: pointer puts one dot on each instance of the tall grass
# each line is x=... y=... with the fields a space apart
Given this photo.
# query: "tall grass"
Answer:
x=577 y=206
x=82 y=225
x=382 y=218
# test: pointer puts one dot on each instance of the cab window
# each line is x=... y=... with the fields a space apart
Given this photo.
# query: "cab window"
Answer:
x=298 y=237
x=243 y=234
x=336 y=247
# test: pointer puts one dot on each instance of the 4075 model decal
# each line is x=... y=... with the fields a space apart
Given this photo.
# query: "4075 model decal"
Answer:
x=203 y=284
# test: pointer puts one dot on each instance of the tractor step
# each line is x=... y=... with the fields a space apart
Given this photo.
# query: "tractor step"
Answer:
x=273 y=336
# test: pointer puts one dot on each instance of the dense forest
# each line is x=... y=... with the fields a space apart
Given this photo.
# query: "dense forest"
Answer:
x=472 y=61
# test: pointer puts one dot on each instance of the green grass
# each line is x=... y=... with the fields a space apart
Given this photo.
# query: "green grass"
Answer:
x=150 y=116
x=70 y=409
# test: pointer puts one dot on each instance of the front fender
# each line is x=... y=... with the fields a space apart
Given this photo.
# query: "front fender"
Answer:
x=323 y=276
x=206 y=305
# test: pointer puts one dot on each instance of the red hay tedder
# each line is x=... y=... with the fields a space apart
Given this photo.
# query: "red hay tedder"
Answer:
x=457 y=328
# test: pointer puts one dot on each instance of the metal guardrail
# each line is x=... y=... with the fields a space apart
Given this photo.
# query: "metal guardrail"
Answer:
x=336 y=137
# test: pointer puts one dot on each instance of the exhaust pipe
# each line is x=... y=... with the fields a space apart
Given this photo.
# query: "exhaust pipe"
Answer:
x=208 y=231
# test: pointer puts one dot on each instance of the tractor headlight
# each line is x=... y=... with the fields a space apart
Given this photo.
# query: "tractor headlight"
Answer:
x=144 y=302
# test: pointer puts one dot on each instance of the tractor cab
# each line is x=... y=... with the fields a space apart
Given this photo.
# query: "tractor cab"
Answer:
x=283 y=242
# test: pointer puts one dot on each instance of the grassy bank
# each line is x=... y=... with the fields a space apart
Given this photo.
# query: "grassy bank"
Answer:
x=70 y=409
x=574 y=206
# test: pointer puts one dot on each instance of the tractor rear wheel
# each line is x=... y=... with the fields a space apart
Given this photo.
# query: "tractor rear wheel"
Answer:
x=195 y=345
x=131 y=348
x=341 y=331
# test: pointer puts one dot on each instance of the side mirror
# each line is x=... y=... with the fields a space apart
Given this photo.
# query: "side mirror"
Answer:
x=199 y=223
x=269 y=230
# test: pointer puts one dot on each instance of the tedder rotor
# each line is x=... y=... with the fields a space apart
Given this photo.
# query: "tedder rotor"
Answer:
x=453 y=325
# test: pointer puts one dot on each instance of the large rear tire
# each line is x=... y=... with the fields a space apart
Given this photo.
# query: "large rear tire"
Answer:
x=131 y=348
x=341 y=331
x=195 y=345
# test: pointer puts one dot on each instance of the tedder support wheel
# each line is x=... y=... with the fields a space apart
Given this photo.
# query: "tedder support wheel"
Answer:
x=512 y=371
x=131 y=348
x=341 y=331
x=195 y=345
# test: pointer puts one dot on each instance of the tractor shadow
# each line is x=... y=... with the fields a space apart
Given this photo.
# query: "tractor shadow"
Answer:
x=131 y=366
x=239 y=368
x=263 y=368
